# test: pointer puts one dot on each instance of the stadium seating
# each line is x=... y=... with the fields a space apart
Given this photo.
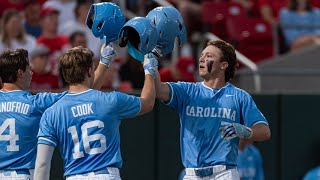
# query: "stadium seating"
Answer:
x=251 y=36
x=215 y=14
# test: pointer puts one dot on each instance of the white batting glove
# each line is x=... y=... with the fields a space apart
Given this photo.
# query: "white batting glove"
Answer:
x=150 y=65
x=234 y=130
x=107 y=53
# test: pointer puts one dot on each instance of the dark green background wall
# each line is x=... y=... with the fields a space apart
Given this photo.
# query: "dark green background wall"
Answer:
x=150 y=143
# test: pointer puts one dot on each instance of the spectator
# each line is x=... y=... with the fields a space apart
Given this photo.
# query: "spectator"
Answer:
x=269 y=9
x=249 y=161
x=65 y=7
x=13 y=35
x=11 y=4
x=300 y=24
x=191 y=11
x=78 y=38
x=81 y=11
x=42 y=79
x=32 y=18
x=316 y=3
x=131 y=71
x=182 y=71
x=50 y=37
x=312 y=174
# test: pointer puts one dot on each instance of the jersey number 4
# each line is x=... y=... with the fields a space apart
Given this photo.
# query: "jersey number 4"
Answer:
x=86 y=139
x=12 y=137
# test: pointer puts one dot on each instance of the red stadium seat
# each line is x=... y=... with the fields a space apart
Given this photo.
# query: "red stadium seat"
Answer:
x=215 y=14
x=251 y=36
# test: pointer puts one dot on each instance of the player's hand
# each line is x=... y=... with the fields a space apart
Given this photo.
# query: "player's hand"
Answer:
x=107 y=53
x=150 y=65
x=234 y=130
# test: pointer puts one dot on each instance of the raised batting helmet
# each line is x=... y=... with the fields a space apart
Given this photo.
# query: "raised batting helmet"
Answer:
x=169 y=24
x=141 y=36
x=105 y=21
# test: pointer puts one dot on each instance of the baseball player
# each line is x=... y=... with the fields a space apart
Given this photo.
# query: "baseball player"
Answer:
x=249 y=162
x=84 y=124
x=20 y=114
x=214 y=114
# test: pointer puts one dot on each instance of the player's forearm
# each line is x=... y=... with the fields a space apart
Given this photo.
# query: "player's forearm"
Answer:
x=260 y=132
x=43 y=162
x=42 y=173
x=99 y=76
x=148 y=94
x=162 y=89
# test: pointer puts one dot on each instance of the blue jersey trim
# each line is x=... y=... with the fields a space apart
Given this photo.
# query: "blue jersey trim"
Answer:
x=139 y=108
x=12 y=91
x=42 y=140
x=171 y=94
x=73 y=94
x=260 y=122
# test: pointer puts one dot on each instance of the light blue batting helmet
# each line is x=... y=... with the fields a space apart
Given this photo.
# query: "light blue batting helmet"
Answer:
x=141 y=36
x=105 y=21
x=169 y=24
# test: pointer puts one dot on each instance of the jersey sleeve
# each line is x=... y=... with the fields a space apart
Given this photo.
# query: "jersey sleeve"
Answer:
x=178 y=92
x=250 y=112
x=128 y=106
x=47 y=133
x=45 y=100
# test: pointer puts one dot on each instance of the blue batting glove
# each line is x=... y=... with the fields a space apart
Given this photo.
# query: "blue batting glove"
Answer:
x=150 y=65
x=234 y=130
x=107 y=53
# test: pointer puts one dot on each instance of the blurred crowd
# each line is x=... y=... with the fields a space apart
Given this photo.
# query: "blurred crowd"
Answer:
x=47 y=28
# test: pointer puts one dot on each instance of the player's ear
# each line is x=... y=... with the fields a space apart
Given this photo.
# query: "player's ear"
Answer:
x=20 y=73
x=224 y=65
x=91 y=72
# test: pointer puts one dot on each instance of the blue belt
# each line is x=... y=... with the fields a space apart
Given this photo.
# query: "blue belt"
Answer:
x=20 y=171
x=23 y=171
x=209 y=171
x=102 y=171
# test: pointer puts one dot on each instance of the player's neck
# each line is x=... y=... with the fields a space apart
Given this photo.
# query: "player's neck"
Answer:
x=10 y=87
x=78 y=88
x=214 y=83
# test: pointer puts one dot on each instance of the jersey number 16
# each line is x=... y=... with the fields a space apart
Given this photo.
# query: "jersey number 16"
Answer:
x=86 y=139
